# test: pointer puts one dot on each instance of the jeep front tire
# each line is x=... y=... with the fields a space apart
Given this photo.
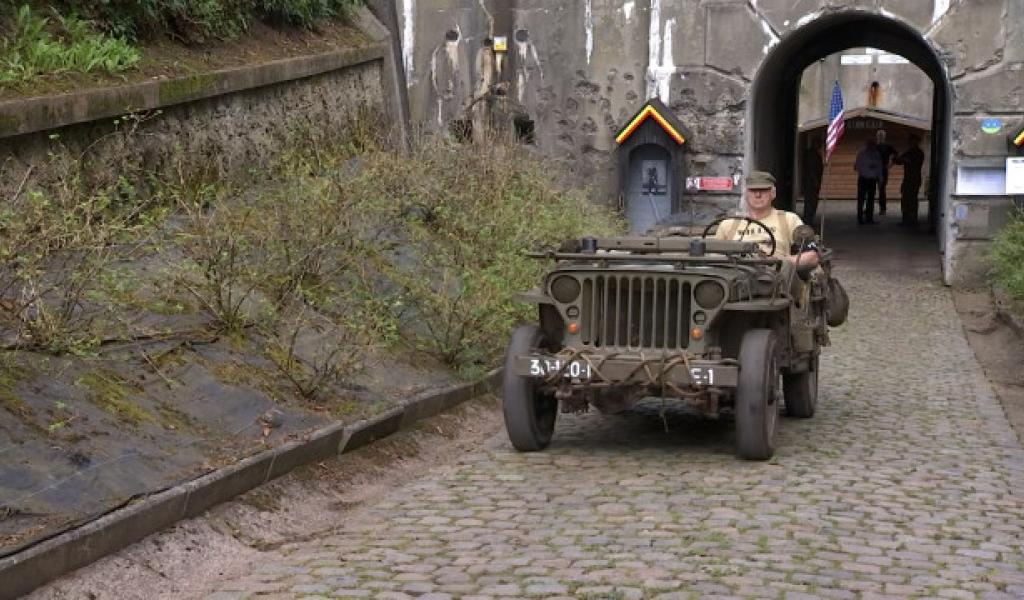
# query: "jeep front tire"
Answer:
x=757 y=411
x=529 y=413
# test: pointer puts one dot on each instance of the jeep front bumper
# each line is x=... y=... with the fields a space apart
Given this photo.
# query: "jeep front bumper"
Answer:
x=626 y=370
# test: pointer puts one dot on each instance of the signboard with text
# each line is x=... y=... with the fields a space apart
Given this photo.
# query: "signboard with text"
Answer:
x=1015 y=175
x=709 y=184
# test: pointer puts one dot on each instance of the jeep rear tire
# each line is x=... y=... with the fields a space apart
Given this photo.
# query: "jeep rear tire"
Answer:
x=801 y=391
x=757 y=411
x=529 y=414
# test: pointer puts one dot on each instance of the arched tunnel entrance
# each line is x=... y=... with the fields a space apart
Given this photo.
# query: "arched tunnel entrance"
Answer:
x=774 y=108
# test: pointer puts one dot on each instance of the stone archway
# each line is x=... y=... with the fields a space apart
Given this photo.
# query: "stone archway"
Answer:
x=772 y=113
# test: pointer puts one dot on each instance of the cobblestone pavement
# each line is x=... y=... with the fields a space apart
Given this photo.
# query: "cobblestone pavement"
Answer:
x=907 y=483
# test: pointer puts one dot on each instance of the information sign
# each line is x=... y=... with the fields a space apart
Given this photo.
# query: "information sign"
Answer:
x=709 y=184
x=1015 y=175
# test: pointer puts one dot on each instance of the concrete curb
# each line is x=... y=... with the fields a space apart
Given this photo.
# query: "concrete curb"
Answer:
x=32 y=567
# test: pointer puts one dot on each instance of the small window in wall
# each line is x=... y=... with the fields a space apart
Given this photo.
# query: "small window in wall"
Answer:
x=461 y=130
x=525 y=130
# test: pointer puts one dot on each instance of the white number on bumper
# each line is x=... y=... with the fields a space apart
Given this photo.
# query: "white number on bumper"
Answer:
x=576 y=369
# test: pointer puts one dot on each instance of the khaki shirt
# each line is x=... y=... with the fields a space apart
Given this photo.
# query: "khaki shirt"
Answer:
x=780 y=222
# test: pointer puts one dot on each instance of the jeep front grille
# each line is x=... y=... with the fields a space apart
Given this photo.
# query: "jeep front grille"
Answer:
x=635 y=311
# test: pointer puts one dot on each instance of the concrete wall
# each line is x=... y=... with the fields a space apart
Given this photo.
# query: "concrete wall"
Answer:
x=223 y=122
x=904 y=88
x=589 y=64
x=447 y=56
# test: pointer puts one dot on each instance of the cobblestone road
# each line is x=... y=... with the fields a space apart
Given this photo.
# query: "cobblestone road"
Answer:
x=907 y=483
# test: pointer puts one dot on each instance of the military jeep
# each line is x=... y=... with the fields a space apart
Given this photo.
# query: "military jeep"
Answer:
x=710 y=323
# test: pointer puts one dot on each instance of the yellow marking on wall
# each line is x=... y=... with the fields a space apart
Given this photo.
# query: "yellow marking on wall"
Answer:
x=649 y=111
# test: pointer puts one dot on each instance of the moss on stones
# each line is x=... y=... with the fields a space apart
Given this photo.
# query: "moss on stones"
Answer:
x=10 y=375
x=186 y=88
x=114 y=395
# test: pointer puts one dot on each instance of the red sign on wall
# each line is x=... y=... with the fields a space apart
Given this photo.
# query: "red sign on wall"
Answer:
x=709 y=184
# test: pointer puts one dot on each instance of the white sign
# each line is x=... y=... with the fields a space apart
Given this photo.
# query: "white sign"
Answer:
x=1015 y=175
x=980 y=181
x=891 y=59
x=855 y=59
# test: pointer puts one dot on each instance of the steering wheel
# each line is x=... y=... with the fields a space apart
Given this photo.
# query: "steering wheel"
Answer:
x=747 y=220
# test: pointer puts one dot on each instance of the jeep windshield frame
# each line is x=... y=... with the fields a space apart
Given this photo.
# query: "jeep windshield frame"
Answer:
x=672 y=249
x=656 y=258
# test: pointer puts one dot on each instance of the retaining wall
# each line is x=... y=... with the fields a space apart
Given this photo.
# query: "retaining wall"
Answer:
x=228 y=120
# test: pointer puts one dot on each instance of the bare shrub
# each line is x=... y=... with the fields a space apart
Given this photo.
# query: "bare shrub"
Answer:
x=465 y=215
x=308 y=242
x=220 y=254
x=58 y=240
x=281 y=259
x=312 y=353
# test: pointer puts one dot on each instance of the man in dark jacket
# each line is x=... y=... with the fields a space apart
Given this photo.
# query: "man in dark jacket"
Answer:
x=886 y=153
x=869 y=170
x=912 y=160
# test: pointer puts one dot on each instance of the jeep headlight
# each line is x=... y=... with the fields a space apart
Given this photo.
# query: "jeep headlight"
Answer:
x=709 y=294
x=565 y=289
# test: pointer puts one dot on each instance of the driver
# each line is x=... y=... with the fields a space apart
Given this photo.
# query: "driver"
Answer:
x=760 y=194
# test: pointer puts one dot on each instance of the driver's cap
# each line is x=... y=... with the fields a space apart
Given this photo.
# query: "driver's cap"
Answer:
x=759 y=180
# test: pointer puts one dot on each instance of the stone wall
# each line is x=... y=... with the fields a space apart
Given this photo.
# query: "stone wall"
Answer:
x=903 y=87
x=580 y=69
x=223 y=122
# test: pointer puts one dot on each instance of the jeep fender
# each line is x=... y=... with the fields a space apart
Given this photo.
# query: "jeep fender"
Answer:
x=534 y=296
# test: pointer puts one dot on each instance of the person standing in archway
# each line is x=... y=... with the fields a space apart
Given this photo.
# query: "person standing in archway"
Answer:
x=912 y=161
x=869 y=170
x=886 y=152
x=811 y=180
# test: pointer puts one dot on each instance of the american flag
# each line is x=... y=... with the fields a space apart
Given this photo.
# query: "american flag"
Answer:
x=836 y=126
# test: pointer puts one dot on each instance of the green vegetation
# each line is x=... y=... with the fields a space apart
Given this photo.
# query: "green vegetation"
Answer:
x=104 y=36
x=304 y=13
x=39 y=45
x=350 y=250
x=199 y=21
x=1007 y=257
x=464 y=216
x=306 y=265
x=10 y=374
x=60 y=245
x=60 y=416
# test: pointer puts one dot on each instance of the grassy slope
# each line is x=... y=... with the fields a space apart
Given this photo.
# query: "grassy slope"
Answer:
x=356 y=284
